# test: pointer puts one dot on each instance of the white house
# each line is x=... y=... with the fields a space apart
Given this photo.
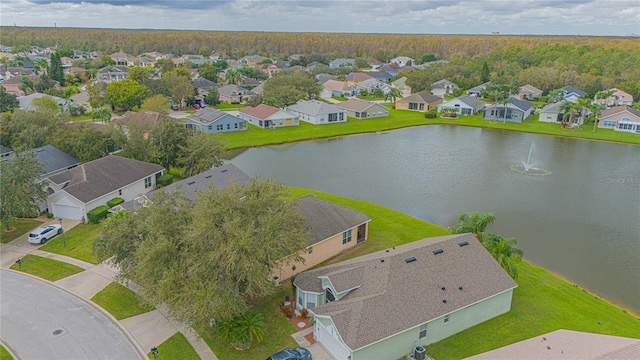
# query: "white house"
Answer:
x=465 y=105
x=617 y=98
x=402 y=61
x=443 y=87
x=381 y=305
x=75 y=192
x=317 y=112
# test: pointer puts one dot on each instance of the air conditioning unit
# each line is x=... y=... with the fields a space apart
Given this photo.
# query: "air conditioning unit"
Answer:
x=419 y=353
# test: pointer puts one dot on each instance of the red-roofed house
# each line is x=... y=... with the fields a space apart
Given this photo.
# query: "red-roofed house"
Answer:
x=266 y=116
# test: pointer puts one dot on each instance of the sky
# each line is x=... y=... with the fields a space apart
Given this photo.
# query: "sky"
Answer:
x=568 y=17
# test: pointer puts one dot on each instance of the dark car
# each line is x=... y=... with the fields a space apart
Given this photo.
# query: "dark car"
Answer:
x=174 y=107
x=291 y=354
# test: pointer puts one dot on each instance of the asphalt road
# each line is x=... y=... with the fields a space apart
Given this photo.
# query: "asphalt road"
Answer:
x=41 y=321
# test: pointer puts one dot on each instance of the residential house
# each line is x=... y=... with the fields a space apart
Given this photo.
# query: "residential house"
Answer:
x=153 y=55
x=270 y=69
x=312 y=65
x=259 y=89
x=572 y=94
x=333 y=229
x=26 y=101
x=234 y=94
x=5 y=152
x=516 y=111
x=53 y=160
x=113 y=73
x=75 y=70
x=420 y=101
x=402 y=61
x=122 y=59
x=282 y=64
x=267 y=117
x=566 y=344
x=295 y=56
x=552 y=112
x=336 y=88
x=79 y=54
x=317 y=112
x=529 y=92
x=362 y=109
x=12 y=84
x=337 y=63
x=74 y=192
x=220 y=177
x=322 y=78
x=401 y=85
x=203 y=86
x=66 y=62
x=375 y=64
x=407 y=69
x=249 y=83
x=621 y=118
x=81 y=99
x=617 y=98
x=464 y=105
x=393 y=69
x=443 y=87
x=371 y=85
x=210 y=120
x=380 y=75
x=144 y=61
x=356 y=77
x=381 y=305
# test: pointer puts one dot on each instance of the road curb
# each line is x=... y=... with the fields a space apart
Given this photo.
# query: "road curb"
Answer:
x=104 y=312
x=10 y=350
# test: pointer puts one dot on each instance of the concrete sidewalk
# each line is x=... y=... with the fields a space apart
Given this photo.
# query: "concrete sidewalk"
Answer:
x=148 y=329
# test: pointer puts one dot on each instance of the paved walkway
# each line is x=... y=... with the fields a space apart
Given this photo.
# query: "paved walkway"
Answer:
x=318 y=352
x=147 y=330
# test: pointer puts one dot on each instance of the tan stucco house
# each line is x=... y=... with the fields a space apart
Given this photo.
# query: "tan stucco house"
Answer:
x=420 y=101
x=621 y=118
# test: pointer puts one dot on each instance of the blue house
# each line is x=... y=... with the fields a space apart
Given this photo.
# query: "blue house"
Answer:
x=214 y=121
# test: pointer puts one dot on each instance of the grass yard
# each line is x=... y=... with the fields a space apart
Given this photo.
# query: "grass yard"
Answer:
x=4 y=354
x=277 y=330
x=79 y=241
x=121 y=302
x=225 y=106
x=176 y=347
x=339 y=98
x=45 y=268
x=255 y=136
x=20 y=227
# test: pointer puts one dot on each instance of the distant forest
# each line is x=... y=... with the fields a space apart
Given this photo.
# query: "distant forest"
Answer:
x=547 y=62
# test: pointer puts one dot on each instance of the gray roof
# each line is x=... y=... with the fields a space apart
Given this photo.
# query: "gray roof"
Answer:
x=356 y=105
x=471 y=101
x=313 y=107
x=205 y=84
x=25 y=101
x=322 y=78
x=5 y=150
x=553 y=107
x=99 y=177
x=479 y=88
x=394 y=295
x=422 y=97
x=234 y=90
x=207 y=115
x=442 y=83
x=327 y=219
x=53 y=160
x=219 y=177
x=523 y=105
x=380 y=75
x=570 y=89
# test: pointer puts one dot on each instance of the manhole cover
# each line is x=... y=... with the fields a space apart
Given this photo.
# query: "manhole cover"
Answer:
x=57 y=332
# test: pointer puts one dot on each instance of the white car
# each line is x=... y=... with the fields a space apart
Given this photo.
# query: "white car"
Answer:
x=44 y=233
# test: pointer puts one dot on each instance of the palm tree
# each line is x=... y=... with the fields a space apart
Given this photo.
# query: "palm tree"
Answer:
x=474 y=223
x=506 y=101
x=596 y=109
x=233 y=76
x=510 y=88
x=568 y=109
x=554 y=95
x=504 y=251
x=393 y=94
x=242 y=329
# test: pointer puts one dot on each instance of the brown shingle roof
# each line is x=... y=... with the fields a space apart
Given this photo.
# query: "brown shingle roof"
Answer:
x=619 y=109
x=99 y=177
x=327 y=219
x=421 y=97
x=261 y=111
x=394 y=296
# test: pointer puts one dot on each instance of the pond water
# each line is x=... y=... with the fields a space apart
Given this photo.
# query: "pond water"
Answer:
x=579 y=217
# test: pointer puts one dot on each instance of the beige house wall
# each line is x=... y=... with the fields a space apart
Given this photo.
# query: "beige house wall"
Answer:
x=623 y=115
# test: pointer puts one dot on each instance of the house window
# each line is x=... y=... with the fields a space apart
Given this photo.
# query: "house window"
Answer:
x=346 y=237
x=328 y=296
x=219 y=127
x=120 y=192
x=147 y=182
x=341 y=116
x=228 y=126
x=311 y=301
x=421 y=107
x=423 y=331
x=236 y=125
x=413 y=106
x=300 y=302
x=357 y=114
x=333 y=117
x=446 y=318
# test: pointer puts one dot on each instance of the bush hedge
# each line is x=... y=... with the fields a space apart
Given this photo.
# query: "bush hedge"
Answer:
x=98 y=214
x=431 y=114
x=165 y=180
x=115 y=201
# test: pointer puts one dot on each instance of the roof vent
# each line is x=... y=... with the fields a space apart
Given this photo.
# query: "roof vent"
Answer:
x=39 y=149
x=208 y=176
x=223 y=170
x=387 y=250
x=191 y=182
x=464 y=243
x=381 y=260
x=409 y=260
x=444 y=301
x=460 y=288
x=439 y=251
x=444 y=288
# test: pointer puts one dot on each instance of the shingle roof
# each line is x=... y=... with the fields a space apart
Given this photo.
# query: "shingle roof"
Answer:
x=54 y=160
x=442 y=83
x=99 y=177
x=471 y=101
x=570 y=89
x=314 y=107
x=327 y=219
x=521 y=104
x=206 y=115
x=530 y=89
x=380 y=75
x=395 y=295
x=321 y=78
x=261 y=111
x=553 y=107
x=336 y=85
x=421 y=97
x=205 y=84
x=618 y=109
x=234 y=90
x=5 y=150
x=358 y=76
x=355 y=105
x=219 y=177
x=479 y=88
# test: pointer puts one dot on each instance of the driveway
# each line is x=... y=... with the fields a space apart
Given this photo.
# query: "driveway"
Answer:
x=41 y=321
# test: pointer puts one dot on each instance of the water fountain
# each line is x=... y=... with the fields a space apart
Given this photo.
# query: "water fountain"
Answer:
x=527 y=167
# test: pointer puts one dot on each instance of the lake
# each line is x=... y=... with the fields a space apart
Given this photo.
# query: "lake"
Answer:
x=581 y=221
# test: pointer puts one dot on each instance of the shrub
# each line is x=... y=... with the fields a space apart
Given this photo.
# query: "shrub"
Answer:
x=164 y=180
x=431 y=114
x=288 y=312
x=303 y=312
x=96 y=215
x=49 y=215
x=115 y=201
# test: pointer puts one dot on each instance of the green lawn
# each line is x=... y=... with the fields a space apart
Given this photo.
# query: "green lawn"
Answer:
x=20 y=227
x=176 y=347
x=121 y=302
x=277 y=330
x=397 y=119
x=4 y=354
x=45 y=268
x=339 y=98
x=225 y=106
x=370 y=97
x=79 y=241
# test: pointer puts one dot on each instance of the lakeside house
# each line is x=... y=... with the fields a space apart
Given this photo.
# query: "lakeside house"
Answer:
x=621 y=118
x=266 y=117
x=420 y=101
x=515 y=111
x=464 y=105
x=210 y=120
x=361 y=109
x=317 y=112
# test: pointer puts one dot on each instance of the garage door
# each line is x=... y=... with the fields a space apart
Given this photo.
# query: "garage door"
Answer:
x=67 y=212
x=324 y=336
